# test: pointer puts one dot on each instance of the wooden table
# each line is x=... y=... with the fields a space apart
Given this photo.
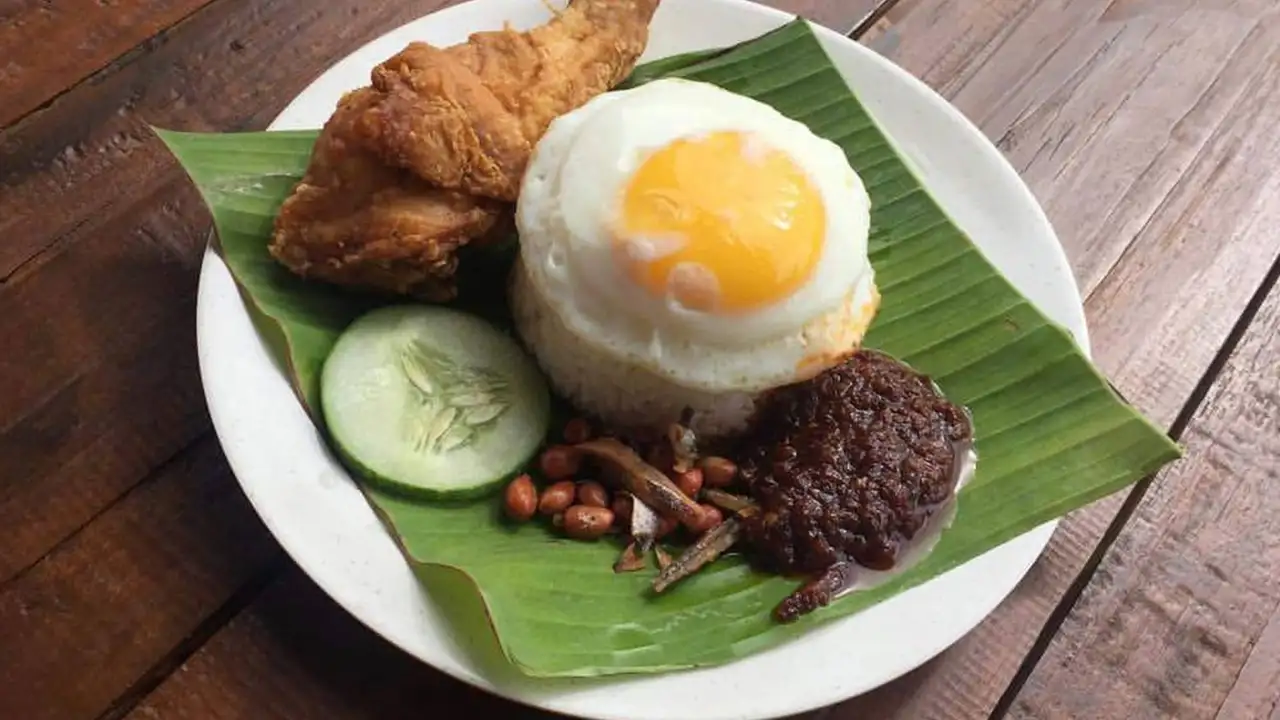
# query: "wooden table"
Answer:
x=136 y=582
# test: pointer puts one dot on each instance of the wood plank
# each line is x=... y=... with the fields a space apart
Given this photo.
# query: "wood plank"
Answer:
x=86 y=622
x=1182 y=601
x=1187 y=248
x=99 y=432
x=1098 y=104
x=840 y=15
x=1253 y=694
x=295 y=654
x=47 y=47
x=100 y=31
x=233 y=66
x=104 y=384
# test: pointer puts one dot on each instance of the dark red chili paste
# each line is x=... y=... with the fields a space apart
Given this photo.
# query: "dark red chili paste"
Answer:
x=849 y=465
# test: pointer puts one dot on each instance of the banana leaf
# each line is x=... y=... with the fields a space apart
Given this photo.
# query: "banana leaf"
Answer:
x=1052 y=434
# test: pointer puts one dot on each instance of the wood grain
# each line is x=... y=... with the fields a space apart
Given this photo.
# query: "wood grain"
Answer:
x=840 y=15
x=1099 y=104
x=101 y=284
x=295 y=654
x=88 y=620
x=1176 y=609
x=103 y=388
x=1149 y=100
x=1253 y=694
x=46 y=46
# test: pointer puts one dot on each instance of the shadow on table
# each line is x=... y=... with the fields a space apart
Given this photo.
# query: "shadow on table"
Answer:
x=328 y=665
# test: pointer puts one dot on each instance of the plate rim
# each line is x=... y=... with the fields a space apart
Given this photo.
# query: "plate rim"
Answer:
x=212 y=263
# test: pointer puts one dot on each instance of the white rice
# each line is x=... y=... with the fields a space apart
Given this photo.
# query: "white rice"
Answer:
x=620 y=394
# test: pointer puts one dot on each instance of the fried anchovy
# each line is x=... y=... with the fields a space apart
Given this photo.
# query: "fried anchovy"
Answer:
x=710 y=546
x=728 y=501
x=816 y=593
x=684 y=447
x=644 y=524
x=664 y=559
x=644 y=481
x=630 y=560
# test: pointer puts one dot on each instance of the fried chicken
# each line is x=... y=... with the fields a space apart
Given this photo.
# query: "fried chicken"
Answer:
x=354 y=221
x=429 y=157
x=467 y=117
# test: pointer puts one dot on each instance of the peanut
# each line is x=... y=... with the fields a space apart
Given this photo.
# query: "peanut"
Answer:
x=556 y=498
x=593 y=494
x=577 y=431
x=707 y=519
x=559 y=462
x=717 y=472
x=521 y=499
x=622 y=509
x=587 y=523
x=689 y=482
x=666 y=526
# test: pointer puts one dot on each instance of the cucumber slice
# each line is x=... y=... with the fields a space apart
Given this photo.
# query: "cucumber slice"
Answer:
x=433 y=402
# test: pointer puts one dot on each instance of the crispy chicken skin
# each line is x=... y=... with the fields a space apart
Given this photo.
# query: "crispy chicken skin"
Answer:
x=356 y=222
x=429 y=157
x=467 y=117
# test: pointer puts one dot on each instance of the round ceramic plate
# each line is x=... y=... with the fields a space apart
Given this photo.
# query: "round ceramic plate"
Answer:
x=321 y=519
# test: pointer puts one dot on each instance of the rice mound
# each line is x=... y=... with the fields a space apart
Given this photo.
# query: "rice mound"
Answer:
x=620 y=394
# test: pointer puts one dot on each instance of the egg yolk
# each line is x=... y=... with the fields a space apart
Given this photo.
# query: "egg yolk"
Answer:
x=721 y=223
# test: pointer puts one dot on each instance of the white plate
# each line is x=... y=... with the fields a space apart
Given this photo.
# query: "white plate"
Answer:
x=320 y=518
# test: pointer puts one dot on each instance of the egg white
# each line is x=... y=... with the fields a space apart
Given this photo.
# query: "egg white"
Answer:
x=569 y=202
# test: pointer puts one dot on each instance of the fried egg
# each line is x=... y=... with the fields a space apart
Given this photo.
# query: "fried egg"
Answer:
x=698 y=235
